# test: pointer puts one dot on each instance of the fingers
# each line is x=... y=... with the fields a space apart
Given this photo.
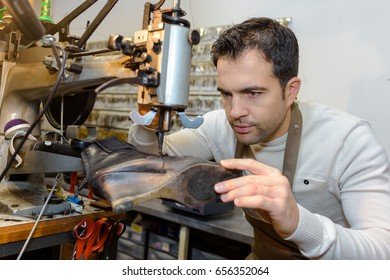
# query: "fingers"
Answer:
x=250 y=165
x=266 y=190
x=251 y=182
x=250 y=186
x=263 y=176
x=254 y=202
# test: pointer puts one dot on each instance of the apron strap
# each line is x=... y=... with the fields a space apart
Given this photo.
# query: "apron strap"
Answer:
x=267 y=244
x=292 y=146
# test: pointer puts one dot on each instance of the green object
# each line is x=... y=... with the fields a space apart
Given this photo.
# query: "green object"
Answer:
x=45 y=11
x=2 y=12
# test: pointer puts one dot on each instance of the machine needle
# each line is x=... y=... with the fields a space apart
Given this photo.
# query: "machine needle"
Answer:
x=160 y=138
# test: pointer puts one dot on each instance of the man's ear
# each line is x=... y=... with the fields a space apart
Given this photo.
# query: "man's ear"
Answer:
x=292 y=89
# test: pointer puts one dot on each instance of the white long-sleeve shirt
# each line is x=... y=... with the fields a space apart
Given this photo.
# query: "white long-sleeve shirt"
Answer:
x=341 y=185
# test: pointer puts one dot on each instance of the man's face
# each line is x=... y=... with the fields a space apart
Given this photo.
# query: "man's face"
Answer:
x=252 y=98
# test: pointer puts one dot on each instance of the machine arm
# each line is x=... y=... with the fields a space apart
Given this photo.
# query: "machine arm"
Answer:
x=63 y=26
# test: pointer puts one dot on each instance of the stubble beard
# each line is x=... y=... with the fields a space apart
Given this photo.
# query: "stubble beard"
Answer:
x=262 y=133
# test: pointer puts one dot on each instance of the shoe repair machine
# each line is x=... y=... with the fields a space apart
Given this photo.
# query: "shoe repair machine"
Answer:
x=46 y=70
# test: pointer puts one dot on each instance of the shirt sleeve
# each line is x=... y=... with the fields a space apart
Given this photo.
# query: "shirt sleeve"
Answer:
x=213 y=140
x=363 y=172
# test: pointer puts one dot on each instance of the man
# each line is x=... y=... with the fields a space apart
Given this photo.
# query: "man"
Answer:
x=318 y=181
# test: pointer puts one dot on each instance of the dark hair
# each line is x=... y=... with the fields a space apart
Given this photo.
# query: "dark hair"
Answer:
x=277 y=42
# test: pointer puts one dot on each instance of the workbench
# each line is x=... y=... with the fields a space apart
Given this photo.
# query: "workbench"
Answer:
x=49 y=231
x=230 y=224
x=58 y=230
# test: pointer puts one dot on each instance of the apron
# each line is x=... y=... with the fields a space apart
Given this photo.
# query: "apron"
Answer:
x=267 y=244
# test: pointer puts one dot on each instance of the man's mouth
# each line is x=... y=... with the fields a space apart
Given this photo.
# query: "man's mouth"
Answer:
x=241 y=129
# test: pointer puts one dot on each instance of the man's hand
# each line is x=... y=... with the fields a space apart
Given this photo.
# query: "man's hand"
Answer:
x=266 y=190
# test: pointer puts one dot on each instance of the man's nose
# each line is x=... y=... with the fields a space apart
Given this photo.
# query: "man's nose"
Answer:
x=238 y=107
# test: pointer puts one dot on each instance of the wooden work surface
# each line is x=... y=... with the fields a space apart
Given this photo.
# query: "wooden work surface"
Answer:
x=20 y=231
x=13 y=230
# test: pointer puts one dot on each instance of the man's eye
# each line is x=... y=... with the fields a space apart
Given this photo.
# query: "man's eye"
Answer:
x=225 y=94
x=254 y=93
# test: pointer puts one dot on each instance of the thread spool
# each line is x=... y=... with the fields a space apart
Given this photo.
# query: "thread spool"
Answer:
x=14 y=126
x=2 y=22
x=46 y=11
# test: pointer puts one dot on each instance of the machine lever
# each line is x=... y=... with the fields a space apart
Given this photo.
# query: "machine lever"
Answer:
x=144 y=77
x=63 y=26
x=143 y=119
x=190 y=123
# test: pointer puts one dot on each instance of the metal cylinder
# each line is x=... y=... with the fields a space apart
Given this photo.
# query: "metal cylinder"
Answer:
x=175 y=66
